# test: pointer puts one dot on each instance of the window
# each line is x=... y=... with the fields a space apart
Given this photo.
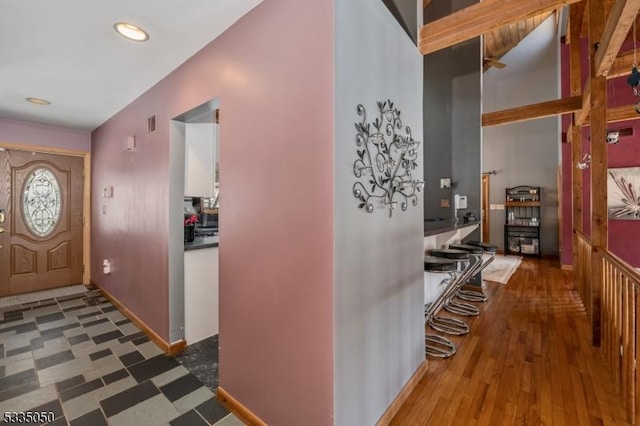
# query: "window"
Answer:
x=41 y=202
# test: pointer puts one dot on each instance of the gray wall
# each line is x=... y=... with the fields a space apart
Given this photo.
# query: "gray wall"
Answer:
x=379 y=289
x=452 y=121
x=525 y=153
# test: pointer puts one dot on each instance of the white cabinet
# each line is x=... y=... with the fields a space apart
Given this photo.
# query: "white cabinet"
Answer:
x=199 y=159
x=200 y=294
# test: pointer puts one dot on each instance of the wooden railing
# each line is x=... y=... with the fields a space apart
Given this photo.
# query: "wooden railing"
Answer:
x=620 y=322
x=582 y=272
x=616 y=322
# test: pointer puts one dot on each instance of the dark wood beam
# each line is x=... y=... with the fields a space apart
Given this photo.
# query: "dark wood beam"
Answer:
x=598 y=168
x=480 y=18
x=623 y=14
x=622 y=113
x=622 y=65
x=530 y=112
x=425 y=3
x=576 y=15
x=582 y=116
x=618 y=114
x=574 y=134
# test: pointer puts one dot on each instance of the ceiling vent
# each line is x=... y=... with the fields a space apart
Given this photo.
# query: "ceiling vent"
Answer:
x=152 y=123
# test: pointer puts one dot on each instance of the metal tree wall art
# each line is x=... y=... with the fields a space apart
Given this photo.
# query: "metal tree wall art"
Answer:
x=386 y=161
x=623 y=193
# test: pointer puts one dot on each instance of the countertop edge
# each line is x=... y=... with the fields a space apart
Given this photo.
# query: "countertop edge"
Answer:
x=448 y=228
x=202 y=243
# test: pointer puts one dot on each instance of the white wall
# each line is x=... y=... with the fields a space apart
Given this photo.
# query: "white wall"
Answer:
x=379 y=312
x=200 y=158
x=525 y=153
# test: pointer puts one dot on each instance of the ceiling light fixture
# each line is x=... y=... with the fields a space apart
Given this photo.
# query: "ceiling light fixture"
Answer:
x=38 y=101
x=130 y=31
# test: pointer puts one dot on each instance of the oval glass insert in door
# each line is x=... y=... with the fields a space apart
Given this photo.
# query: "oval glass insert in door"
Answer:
x=41 y=202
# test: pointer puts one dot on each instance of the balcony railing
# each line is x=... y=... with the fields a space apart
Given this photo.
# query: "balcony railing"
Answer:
x=618 y=323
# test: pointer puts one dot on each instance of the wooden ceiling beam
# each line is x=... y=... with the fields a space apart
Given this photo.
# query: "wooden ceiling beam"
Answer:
x=481 y=18
x=622 y=113
x=576 y=17
x=530 y=112
x=550 y=108
x=581 y=117
x=623 y=14
x=622 y=65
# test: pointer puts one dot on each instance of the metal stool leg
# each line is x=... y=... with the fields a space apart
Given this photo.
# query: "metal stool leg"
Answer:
x=438 y=347
x=462 y=308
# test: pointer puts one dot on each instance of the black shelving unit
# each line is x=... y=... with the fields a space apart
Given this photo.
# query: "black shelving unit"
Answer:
x=522 y=221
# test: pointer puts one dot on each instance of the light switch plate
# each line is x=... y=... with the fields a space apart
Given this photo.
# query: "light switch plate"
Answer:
x=107 y=192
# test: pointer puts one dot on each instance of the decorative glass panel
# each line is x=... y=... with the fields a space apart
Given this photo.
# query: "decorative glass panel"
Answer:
x=41 y=202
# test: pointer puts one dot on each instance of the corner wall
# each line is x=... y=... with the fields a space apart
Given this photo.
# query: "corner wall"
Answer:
x=379 y=283
x=273 y=73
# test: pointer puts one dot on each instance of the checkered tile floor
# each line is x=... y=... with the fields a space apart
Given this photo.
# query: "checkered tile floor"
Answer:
x=80 y=358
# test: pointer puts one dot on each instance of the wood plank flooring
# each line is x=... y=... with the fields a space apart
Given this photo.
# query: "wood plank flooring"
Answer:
x=527 y=361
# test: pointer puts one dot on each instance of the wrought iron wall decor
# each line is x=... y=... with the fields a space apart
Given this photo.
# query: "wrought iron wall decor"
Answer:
x=386 y=161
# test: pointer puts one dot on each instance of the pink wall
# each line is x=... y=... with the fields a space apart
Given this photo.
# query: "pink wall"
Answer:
x=24 y=132
x=273 y=74
x=623 y=234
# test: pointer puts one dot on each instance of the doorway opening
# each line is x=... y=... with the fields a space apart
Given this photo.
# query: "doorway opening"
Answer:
x=193 y=232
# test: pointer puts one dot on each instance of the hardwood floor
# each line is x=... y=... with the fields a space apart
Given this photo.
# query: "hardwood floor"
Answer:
x=527 y=361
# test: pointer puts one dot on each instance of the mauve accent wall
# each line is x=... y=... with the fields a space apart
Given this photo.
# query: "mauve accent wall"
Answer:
x=27 y=133
x=273 y=75
x=623 y=234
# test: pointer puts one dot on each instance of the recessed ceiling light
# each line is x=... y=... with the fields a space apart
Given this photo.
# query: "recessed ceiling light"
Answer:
x=38 y=101
x=130 y=31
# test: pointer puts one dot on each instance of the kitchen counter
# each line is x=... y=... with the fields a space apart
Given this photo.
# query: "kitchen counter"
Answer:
x=201 y=243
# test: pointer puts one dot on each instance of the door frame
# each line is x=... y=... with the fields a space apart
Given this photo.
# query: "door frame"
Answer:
x=86 y=195
x=485 y=224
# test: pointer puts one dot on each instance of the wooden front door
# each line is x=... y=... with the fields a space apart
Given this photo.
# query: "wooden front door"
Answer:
x=41 y=232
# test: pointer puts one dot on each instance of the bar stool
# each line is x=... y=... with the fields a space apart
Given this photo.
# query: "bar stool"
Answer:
x=438 y=346
x=468 y=267
x=489 y=249
x=476 y=251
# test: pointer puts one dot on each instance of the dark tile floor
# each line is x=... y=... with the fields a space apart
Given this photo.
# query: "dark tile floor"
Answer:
x=79 y=358
x=201 y=359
